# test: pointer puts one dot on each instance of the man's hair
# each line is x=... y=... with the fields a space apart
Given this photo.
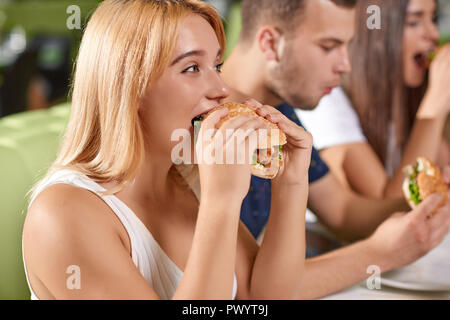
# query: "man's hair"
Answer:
x=282 y=12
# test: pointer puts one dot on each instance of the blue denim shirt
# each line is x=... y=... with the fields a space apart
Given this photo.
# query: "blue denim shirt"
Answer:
x=256 y=205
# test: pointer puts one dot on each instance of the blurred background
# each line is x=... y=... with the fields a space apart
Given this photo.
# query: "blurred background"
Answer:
x=38 y=50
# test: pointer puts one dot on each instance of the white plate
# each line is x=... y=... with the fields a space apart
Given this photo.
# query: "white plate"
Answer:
x=429 y=273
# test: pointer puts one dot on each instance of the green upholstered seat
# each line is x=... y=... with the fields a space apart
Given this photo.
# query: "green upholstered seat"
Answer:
x=29 y=142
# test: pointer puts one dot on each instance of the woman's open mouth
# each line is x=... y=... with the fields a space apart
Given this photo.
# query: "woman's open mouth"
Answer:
x=197 y=119
x=422 y=61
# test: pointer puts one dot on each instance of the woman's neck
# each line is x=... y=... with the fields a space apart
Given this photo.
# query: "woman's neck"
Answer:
x=153 y=183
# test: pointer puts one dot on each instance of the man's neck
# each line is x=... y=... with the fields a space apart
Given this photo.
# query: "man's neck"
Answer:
x=245 y=78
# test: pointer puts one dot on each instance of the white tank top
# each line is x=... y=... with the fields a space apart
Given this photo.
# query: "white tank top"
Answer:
x=161 y=273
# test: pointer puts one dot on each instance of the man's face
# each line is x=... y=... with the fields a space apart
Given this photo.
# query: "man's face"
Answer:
x=315 y=55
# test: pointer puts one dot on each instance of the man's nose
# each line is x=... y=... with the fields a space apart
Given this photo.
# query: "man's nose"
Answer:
x=343 y=65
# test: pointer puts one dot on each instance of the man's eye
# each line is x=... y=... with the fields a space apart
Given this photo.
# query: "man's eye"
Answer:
x=326 y=49
x=219 y=67
x=193 y=68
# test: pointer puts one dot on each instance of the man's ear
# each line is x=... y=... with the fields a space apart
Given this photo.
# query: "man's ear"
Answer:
x=270 y=42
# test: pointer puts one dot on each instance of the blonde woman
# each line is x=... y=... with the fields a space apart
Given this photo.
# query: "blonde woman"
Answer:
x=113 y=218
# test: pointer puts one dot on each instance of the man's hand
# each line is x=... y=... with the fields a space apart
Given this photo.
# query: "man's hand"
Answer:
x=405 y=237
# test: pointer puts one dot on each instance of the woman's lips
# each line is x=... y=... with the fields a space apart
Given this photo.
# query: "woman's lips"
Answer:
x=422 y=59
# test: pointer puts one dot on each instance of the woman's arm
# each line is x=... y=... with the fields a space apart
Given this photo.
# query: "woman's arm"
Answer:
x=284 y=239
x=424 y=141
x=279 y=264
x=210 y=267
x=68 y=226
x=428 y=130
x=357 y=167
x=444 y=154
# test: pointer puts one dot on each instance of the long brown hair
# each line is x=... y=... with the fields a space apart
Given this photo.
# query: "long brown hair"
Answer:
x=376 y=86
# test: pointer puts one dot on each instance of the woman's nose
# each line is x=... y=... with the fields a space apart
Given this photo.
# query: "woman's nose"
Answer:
x=217 y=89
x=432 y=32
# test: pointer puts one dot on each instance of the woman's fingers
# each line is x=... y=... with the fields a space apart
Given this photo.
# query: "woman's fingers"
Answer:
x=274 y=115
x=248 y=129
x=246 y=145
x=236 y=137
x=296 y=134
x=245 y=127
x=230 y=125
x=211 y=121
x=253 y=103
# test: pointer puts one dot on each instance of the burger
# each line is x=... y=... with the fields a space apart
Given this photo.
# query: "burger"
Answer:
x=423 y=179
x=268 y=157
x=427 y=58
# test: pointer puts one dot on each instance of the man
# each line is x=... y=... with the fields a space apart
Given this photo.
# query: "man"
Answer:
x=295 y=51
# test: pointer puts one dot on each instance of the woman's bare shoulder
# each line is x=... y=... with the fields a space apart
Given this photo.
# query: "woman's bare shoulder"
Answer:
x=70 y=226
x=67 y=202
x=62 y=210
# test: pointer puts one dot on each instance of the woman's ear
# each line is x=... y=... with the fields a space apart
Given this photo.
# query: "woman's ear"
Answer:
x=270 y=42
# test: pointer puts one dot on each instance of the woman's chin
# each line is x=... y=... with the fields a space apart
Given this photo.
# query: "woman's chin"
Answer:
x=415 y=82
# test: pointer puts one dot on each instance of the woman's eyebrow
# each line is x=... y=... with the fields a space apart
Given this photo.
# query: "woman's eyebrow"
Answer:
x=190 y=54
x=417 y=13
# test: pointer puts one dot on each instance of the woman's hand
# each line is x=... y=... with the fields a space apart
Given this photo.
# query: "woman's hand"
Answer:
x=437 y=97
x=225 y=178
x=297 y=150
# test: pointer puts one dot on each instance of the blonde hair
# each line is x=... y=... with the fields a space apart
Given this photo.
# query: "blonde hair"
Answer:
x=126 y=47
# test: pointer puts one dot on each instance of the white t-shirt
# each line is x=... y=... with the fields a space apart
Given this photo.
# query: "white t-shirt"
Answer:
x=334 y=122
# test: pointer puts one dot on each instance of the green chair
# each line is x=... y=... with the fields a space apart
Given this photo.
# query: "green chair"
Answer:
x=28 y=145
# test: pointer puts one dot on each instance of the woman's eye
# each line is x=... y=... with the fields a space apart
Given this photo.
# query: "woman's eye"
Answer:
x=412 y=23
x=219 y=67
x=326 y=49
x=193 y=68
